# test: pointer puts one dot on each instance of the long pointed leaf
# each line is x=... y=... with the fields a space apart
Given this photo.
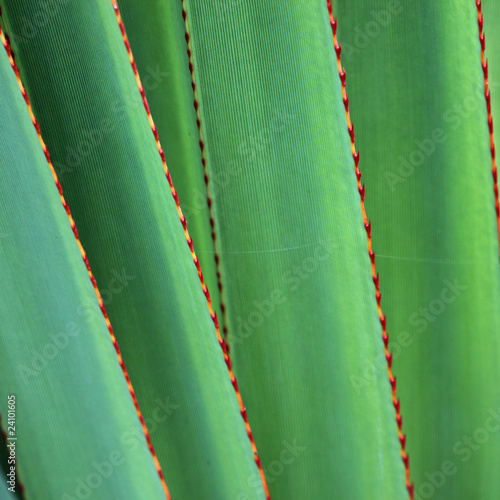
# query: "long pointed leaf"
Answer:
x=73 y=411
x=299 y=294
x=97 y=130
x=160 y=50
x=416 y=92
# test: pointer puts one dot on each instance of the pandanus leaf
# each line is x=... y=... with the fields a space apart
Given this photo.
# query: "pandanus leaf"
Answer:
x=416 y=90
x=73 y=414
x=299 y=296
x=85 y=96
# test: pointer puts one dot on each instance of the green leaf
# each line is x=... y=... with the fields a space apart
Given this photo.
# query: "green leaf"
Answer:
x=300 y=300
x=416 y=94
x=73 y=410
x=85 y=96
x=491 y=16
x=160 y=49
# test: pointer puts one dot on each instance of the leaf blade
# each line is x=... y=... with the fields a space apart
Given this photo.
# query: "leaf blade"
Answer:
x=40 y=257
x=258 y=128
x=424 y=141
x=129 y=225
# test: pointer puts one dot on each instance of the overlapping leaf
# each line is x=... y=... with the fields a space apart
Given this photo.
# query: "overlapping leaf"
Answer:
x=416 y=93
x=84 y=94
x=156 y=31
x=75 y=426
x=298 y=292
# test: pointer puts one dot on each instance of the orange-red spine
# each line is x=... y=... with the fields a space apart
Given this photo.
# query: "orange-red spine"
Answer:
x=375 y=276
x=487 y=96
x=85 y=260
x=205 y=172
x=189 y=241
